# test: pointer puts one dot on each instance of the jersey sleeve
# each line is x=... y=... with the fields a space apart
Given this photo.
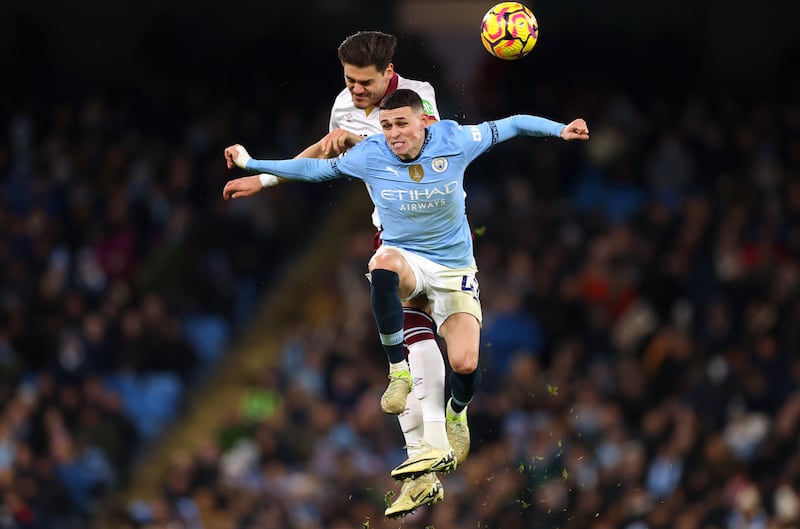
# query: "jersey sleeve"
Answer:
x=479 y=138
x=352 y=163
x=525 y=125
x=301 y=169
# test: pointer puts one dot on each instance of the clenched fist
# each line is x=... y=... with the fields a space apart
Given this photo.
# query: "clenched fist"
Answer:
x=236 y=155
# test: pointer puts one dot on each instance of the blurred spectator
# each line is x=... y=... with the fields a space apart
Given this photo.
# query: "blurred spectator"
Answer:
x=121 y=284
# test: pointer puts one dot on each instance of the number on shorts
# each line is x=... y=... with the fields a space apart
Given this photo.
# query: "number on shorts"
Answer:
x=470 y=284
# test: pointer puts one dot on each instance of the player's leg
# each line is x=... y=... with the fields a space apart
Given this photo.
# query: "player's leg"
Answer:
x=420 y=330
x=428 y=371
x=425 y=357
x=425 y=489
x=438 y=455
x=392 y=279
x=461 y=332
x=428 y=368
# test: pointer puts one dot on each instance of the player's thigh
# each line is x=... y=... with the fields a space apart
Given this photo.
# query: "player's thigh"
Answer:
x=388 y=258
x=419 y=303
x=452 y=290
x=462 y=333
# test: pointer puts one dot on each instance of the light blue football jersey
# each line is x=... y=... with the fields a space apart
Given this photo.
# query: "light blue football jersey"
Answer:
x=421 y=202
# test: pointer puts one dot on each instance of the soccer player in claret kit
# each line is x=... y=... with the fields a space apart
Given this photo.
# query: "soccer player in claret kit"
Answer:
x=415 y=174
x=369 y=75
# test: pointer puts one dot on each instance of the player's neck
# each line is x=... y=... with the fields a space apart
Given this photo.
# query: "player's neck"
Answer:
x=391 y=87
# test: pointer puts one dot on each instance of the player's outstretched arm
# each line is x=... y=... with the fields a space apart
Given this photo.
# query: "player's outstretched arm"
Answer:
x=305 y=170
x=331 y=145
x=246 y=186
x=249 y=185
x=575 y=130
x=537 y=126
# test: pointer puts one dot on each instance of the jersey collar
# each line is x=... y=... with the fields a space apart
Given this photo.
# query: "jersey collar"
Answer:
x=393 y=82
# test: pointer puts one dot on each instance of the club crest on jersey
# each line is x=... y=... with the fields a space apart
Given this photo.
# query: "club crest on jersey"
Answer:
x=439 y=164
x=415 y=172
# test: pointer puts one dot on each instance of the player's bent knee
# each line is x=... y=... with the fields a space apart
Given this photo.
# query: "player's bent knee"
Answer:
x=464 y=364
x=386 y=261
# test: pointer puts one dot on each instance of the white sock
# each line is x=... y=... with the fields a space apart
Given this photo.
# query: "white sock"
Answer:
x=411 y=424
x=427 y=367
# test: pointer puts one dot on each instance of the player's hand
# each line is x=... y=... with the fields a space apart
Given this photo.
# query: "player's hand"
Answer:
x=245 y=186
x=236 y=155
x=338 y=141
x=575 y=130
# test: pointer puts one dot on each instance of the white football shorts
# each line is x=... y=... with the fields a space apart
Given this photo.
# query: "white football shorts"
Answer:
x=449 y=290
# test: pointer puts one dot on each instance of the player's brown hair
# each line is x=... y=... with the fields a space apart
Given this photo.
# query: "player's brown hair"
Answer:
x=368 y=48
x=402 y=97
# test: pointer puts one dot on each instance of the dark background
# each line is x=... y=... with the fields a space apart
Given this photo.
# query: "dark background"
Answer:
x=669 y=43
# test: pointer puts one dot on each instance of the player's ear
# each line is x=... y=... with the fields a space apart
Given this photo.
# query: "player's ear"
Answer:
x=389 y=70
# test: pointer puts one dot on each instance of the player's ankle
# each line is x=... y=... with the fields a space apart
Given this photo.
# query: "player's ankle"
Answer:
x=398 y=366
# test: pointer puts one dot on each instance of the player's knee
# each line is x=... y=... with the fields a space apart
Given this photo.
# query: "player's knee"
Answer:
x=386 y=261
x=464 y=363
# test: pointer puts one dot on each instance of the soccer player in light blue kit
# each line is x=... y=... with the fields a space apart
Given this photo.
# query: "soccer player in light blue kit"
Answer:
x=369 y=76
x=415 y=177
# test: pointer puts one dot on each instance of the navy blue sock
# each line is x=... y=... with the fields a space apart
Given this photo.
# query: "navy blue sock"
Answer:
x=388 y=312
x=463 y=387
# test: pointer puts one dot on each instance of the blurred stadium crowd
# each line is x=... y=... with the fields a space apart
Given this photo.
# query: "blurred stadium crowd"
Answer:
x=642 y=319
x=123 y=278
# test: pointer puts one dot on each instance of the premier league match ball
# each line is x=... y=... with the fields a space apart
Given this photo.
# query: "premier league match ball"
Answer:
x=509 y=30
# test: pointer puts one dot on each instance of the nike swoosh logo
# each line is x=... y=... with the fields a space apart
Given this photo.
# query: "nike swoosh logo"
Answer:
x=418 y=461
x=415 y=498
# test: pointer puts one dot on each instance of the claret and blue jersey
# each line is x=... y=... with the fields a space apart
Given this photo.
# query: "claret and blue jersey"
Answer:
x=421 y=202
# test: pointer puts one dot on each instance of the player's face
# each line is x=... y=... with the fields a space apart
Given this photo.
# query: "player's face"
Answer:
x=367 y=85
x=404 y=130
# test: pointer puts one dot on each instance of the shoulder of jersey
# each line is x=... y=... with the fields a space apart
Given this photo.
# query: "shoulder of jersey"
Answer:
x=371 y=141
x=449 y=123
x=343 y=99
x=411 y=83
x=446 y=126
x=448 y=132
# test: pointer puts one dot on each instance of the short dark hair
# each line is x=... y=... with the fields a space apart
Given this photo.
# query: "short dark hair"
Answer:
x=368 y=48
x=402 y=97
